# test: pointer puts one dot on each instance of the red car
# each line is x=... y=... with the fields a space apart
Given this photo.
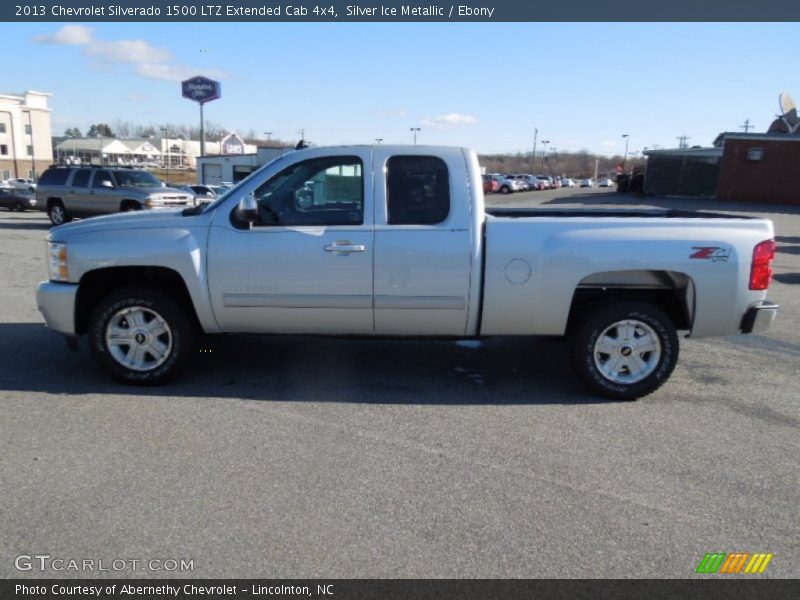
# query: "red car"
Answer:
x=490 y=184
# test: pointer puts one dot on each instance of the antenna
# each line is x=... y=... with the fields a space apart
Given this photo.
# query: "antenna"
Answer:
x=682 y=141
x=746 y=126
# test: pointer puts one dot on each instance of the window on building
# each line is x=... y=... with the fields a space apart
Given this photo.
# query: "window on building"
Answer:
x=28 y=128
x=29 y=150
x=320 y=191
x=2 y=127
x=417 y=190
x=6 y=174
x=4 y=150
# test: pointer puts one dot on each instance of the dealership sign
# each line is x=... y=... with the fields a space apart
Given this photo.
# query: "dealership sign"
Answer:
x=201 y=89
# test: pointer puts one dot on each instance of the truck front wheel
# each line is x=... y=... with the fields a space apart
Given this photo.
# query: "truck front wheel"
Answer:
x=624 y=351
x=141 y=336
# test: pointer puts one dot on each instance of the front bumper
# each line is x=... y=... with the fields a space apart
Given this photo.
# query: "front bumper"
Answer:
x=56 y=301
x=759 y=317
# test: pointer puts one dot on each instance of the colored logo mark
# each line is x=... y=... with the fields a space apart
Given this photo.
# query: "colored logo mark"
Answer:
x=734 y=563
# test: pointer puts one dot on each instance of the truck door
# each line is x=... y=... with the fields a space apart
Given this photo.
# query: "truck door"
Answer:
x=306 y=265
x=422 y=243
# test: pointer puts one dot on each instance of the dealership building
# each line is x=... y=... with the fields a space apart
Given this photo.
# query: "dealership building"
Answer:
x=25 y=134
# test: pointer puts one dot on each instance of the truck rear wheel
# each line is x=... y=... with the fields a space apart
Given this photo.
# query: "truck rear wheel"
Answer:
x=625 y=351
x=141 y=336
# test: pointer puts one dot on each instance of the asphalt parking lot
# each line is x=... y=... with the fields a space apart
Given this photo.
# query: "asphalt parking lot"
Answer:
x=299 y=457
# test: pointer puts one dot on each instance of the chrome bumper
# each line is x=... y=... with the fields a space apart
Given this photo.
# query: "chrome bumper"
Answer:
x=56 y=301
x=759 y=317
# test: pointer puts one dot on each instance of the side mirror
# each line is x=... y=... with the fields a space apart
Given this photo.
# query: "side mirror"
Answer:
x=248 y=208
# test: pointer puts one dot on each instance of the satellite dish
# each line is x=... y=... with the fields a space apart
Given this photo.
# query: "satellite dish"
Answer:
x=789 y=112
x=787 y=104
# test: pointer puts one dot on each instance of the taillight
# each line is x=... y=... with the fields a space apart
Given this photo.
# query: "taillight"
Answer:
x=761 y=269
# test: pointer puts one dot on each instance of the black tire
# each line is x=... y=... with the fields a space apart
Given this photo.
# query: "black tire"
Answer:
x=130 y=206
x=57 y=213
x=595 y=367
x=505 y=189
x=181 y=335
x=19 y=207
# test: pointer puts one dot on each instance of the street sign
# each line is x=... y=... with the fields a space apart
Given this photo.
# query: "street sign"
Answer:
x=201 y=89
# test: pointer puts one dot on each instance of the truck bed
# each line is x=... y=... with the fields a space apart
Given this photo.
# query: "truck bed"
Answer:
x=652 y=212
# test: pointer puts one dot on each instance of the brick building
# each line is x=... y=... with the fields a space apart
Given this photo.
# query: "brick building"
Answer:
x=760 y=167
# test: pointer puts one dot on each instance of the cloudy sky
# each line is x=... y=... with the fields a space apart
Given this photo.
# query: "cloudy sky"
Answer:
x=484 y=85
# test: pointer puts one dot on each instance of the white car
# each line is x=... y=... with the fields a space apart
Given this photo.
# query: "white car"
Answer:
x=22 y=184
x=507 y=185
x=605 y=183
x=567 y=182
x=587 y=183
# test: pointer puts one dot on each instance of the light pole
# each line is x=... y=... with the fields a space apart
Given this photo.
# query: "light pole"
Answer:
x=166 y=141
x=544 y=151
x=415 y=130
x=533 y=162
x=268 y=134
x=378 y=140
x=625 y=156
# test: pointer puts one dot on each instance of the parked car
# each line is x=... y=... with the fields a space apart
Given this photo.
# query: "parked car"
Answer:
x=67 y=192
x=22 y=184
x=531 y=182
x=202 y=193
x=267 y=258
x=14 y=199
x=567 y=182
x=605 y=183
x=490 y=184
x=546 y=182
x=587 y=183
x=507 y=185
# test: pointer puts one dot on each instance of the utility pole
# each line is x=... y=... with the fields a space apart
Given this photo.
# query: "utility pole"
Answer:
x=415 y=130
x=625 y=156
x=166 y=146
x=378 y=140
x=746 y=126
x=268 y=134
x=544 y=151
x=683 y=141
x=533 y=162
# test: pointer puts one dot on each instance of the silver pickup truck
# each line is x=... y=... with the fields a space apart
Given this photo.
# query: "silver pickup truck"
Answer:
x=396 y=241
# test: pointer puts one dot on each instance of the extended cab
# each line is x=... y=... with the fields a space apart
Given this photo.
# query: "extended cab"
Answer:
x=396 y=241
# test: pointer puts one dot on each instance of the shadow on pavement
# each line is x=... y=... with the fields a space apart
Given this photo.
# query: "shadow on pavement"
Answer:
x=306 y=369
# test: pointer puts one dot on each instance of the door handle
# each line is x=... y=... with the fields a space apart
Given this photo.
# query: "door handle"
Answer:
x=344 y=248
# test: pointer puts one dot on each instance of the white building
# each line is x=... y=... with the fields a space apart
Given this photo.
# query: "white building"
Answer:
x=25 y=134
x=212 y=170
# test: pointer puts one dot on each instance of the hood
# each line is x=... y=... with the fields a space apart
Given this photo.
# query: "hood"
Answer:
x=141 y=219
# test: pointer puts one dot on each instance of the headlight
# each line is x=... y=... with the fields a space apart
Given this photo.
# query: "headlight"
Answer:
x=57 y=261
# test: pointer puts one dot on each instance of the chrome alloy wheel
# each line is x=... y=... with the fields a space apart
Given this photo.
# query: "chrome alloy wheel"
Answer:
x=627 y=351
x=138 y=338
x=57 y=215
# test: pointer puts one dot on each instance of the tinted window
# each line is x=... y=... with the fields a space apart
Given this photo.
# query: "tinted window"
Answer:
x=100 y=177
x=81 y=178
x=418 y=190
x=54 y=177
x=320 y=191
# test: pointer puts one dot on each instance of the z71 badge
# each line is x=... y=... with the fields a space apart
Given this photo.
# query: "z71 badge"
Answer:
x=712 y=253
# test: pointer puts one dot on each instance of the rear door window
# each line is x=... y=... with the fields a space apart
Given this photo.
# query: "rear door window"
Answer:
x=81 y=178
x=417 y=190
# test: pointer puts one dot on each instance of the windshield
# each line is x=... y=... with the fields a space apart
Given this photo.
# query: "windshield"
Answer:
x=136 y=179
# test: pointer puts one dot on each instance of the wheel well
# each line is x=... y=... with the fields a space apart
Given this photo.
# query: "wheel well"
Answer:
x=53 y=200
x=671 y=292
x=129 y=202
x=96 y=285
